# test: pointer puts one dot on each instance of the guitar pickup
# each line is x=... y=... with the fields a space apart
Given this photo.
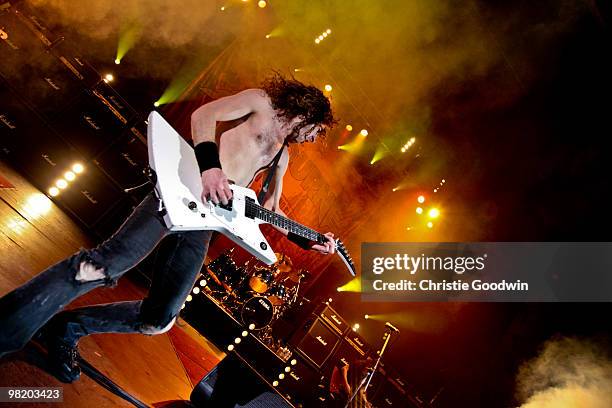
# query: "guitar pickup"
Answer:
x=227 y=207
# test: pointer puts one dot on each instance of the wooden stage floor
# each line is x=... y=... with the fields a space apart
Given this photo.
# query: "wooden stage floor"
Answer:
x=155 y=369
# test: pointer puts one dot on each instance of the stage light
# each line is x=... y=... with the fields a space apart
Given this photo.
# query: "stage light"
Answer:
x=203 y=282
x=237 y=340
x=421 y=199
x=267 y=35
x=366 y=317
x=322 y=36
x=419 y=210
x=296 y=70
x=435 y=190
x=251 y=326
x=330 y=300
x=353 y=285
x=117 y=61
x=182 y=307
x=443 y=181
x=61 y=183
x=434 y=213
x=408 y=144
x=349 y=128
x=356 y=327
x=381 y=151
x=37 y=204
x=394 y=189
x=196 y=290
x=339 y=289
x=70 y=176
x=363 y=132
x=230 y=347
x=328 y=88
x=54 y=191
x=189 y=298
x=275 y=383
x=223 y=8
x=78 y=168
x=287 y=369
x=430 y=224
x=156 y=104
x=262 y=4
x=244 y=333
x=109 y=77
x=281 y=376
x=293 y=362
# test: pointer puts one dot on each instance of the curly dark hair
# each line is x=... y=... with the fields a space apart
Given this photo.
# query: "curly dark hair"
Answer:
x=291 y=98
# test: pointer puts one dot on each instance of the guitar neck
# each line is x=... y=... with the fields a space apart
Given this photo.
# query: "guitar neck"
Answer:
x=254 y=210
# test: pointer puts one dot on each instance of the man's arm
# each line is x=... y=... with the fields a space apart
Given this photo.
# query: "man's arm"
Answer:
x=204 y=119
x=203 y=125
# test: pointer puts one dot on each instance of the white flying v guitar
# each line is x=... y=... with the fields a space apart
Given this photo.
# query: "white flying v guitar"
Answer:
x=180 y=187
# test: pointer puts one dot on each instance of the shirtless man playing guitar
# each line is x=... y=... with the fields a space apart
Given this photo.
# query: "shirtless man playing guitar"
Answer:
x=283 y=111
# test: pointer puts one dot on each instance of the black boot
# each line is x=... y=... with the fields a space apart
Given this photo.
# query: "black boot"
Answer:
x=62 y=355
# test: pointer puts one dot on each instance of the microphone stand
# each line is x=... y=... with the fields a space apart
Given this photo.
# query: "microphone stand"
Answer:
x=365 y=382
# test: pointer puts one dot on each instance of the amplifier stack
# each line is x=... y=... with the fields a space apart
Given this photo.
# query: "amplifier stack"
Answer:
x=56 y=110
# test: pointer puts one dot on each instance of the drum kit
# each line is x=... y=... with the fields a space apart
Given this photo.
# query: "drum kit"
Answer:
x=256 y=295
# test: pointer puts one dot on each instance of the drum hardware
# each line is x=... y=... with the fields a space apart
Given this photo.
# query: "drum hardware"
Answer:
x=258 y=295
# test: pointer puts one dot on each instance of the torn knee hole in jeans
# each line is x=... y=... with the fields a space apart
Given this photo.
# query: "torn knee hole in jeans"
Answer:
x=89 y=271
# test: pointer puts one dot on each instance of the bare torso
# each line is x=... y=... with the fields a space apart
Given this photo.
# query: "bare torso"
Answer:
x=250 y=146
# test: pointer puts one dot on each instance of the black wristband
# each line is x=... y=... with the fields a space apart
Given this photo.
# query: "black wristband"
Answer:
x=302 y=242
x=207 y=155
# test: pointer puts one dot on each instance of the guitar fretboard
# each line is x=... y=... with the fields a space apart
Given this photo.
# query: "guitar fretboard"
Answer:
x=254 y=210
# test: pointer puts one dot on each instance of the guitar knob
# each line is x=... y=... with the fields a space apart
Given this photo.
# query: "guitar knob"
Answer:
x=192 y=206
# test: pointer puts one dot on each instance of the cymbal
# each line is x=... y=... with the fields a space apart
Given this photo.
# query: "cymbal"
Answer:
x=284 y=263
x=294 y=276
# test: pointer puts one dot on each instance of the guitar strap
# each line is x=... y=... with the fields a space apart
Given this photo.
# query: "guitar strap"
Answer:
x=270 y=174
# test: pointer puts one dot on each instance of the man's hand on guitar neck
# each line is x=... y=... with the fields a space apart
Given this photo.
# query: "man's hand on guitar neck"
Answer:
x=328 y=247
x=215 y=186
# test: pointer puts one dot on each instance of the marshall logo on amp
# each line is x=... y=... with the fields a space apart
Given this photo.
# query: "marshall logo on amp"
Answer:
x=331 y=317
x=89 y=196
x=318 y=343
x=91 y=122
x=4 y=119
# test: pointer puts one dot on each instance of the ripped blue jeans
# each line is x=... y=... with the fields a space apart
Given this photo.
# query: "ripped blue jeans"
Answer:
x=177 y=265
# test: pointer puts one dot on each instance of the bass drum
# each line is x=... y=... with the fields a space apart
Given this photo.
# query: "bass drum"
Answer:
x=258 y=310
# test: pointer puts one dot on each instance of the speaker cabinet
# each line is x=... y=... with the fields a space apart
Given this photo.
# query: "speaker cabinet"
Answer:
x=334 y=320
x=89 y=125
x=390 y=394
x=31 y=146
x=124 y=161
x=305 y=385
x=318 y=343
x=31 y=68
x=358 y=343
x=90 y=196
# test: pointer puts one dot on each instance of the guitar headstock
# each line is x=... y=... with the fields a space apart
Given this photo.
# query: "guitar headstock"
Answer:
x=346 y=257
